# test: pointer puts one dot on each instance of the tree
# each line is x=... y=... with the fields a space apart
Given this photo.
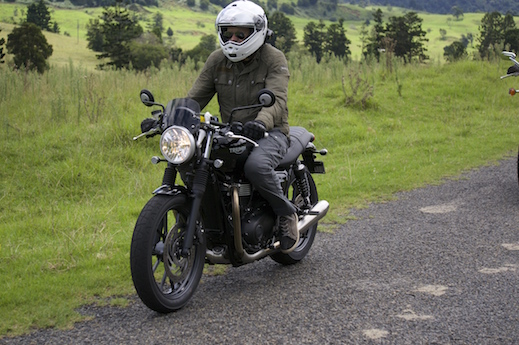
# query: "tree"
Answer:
x=406 y=31
x=374 y=42
x=203 y=49
x=54 y=27
x=287 y=8
x=2 y=54
x=511 y=40
x=118 y=30
x=157 y=22
x=491 y=33
x=38 y=13
x=272 y=4
x=314 y=37
x=29 y=47
x=443 y=34
x=457 y=12
x=494 y=32
x=455 y=51
x=284 y=32
x=147 y=51
x=336 y=42
x=204 y=5
x=508 y=22
x=169 y=32
x=95 y=36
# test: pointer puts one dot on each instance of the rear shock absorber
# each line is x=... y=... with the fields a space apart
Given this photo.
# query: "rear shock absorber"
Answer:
x=302 y=183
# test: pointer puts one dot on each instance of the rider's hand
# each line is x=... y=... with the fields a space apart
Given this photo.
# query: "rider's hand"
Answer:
x=513 y=69
x=237 y=127
x=254 y=130
x=148 y=124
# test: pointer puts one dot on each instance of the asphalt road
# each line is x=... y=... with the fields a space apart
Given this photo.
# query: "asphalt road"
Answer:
x=440 y=265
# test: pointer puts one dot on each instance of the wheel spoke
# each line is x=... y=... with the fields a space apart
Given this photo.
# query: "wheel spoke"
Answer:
x=156 y=265
x=163 y=281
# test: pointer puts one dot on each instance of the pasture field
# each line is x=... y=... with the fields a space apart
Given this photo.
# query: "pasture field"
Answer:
x=189 y=26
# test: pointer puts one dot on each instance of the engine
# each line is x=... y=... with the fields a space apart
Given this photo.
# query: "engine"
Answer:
x=257 y=224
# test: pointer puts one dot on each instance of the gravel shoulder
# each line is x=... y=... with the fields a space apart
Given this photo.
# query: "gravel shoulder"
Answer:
x=438 y=265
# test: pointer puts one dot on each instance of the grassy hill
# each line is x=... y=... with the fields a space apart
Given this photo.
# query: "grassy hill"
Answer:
x=189 y=26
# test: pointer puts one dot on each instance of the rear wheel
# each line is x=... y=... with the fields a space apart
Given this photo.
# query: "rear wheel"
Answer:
x=307 y=239
x=163 y=278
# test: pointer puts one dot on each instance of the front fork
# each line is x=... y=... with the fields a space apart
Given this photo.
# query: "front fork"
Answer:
x=198 y=191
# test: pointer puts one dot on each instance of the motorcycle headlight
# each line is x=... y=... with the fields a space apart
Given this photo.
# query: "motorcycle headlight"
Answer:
x=177 y=145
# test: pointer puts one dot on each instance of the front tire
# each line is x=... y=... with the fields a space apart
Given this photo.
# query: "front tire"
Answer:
x=164 y=280
x=307 y=239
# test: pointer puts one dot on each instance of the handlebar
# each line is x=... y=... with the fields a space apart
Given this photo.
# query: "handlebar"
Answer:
x=151 y=132
x=266 y=98
x=207 y=118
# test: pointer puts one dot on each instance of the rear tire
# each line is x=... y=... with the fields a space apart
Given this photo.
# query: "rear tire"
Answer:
x=305 y=240
x=157 y=238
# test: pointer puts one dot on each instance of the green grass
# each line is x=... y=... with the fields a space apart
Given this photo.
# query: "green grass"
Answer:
x=72 y=182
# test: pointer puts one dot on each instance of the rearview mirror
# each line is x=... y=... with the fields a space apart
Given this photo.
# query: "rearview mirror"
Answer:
x=147 y=98
x=266 y=98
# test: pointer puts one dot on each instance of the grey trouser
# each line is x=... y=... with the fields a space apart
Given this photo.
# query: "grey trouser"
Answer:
x=259 y=169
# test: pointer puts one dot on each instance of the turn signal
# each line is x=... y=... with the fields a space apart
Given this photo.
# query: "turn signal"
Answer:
x=512 y=91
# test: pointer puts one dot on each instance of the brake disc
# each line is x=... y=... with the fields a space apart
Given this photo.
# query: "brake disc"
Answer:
x=177 y=267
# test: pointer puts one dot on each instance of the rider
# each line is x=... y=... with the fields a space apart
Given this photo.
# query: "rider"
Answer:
x=244 y=65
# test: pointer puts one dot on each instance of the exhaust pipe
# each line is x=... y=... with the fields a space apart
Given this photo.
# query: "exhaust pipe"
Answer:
x=314 y=215
x=310 y=219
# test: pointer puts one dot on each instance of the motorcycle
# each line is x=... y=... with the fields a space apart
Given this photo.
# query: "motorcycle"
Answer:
x=513 y=71
x=214 y=215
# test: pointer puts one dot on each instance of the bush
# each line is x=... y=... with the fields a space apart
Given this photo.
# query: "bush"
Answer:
x=454 y=51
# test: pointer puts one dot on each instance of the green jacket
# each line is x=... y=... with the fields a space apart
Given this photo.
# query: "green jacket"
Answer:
x=237 y=84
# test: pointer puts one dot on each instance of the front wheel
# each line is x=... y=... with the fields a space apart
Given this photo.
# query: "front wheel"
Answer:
x=307 y=239
x=163 y=278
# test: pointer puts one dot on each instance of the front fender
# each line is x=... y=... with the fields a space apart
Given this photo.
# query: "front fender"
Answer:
x=170 y=190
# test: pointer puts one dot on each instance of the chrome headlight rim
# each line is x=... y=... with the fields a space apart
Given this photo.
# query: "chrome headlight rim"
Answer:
x=177 y=145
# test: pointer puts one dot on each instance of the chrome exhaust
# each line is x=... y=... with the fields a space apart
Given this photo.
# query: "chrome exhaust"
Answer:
x=309 y=219
x=313 y=216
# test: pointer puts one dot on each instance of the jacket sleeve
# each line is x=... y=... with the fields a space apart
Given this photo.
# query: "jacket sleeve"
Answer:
x=276 y=81
x=204 y=89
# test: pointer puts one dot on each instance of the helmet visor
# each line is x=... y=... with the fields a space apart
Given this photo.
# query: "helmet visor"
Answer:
x=237 y=34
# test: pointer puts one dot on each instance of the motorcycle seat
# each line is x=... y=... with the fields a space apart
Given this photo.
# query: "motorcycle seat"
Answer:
x=299 y=138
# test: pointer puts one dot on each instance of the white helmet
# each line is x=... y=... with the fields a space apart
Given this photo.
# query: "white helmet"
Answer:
x=242 y=13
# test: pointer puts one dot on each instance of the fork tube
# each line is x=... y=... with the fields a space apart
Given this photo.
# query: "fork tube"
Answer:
x=199 y=185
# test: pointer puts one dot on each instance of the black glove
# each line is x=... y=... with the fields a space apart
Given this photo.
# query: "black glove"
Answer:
x=513 y=69
x=254 y=130
x=237 y=127
x=148 y=124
